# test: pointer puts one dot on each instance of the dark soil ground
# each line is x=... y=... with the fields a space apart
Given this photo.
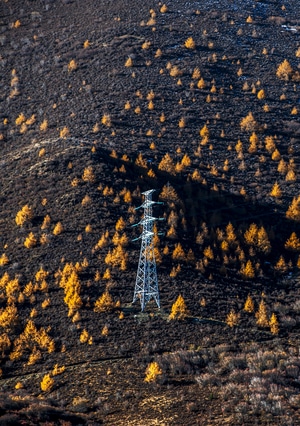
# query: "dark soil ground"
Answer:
x=212 y=374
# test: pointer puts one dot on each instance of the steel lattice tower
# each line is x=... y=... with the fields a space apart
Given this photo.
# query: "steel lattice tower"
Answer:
x=146 y=285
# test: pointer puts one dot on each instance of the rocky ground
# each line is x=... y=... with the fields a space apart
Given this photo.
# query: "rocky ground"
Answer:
x=93 y=96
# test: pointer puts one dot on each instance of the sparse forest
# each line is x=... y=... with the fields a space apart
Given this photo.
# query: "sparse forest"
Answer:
x=99 y=102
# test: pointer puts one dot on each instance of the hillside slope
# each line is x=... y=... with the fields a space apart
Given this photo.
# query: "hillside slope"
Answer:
x=98 y=103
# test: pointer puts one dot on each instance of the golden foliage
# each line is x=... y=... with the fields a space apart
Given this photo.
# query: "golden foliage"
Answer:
x=64 y=132
x=247 y=270
x=3 y=259
x=84 y=336
x=274 y=325
x=88 y=175
x=258 y=238
x=276 y=155
x=104 y=331
x=30 y=241
x=179 y=310
x=293 y=243
x=58 y=370
x=293 y=212
x=120 y=225
x=47 y=383
x=261 y=94
x=104 y=303
x=24 y=215
x=129 y=63
x=249 y=304
x=276 y=191
x=248 y=123
x=41 y=274
x=46 y=222
x=166 y=164
x=284 y=70
x=152 y=372
x=175 y=71
x=35 y=356
x=8 y=316
x=140 y=161
x=232 y=318
x=58 y=229
x=72 y=292
x=106 y=120
x=44 y=125
x=261 y=315
x=178 y=253
x=189 y=43
x=270 y=144
x=72 y=65
x=208 y=252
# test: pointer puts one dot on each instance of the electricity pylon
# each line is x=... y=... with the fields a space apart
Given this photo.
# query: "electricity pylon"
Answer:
x=146 y=285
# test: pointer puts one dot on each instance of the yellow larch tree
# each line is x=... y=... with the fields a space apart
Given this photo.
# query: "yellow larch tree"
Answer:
x=276 y=191
x=284 y=70
x=24 y=215
x=47 y=383
x=58 y=229
x=281 y=265
x=186 y=161
x=248 y=123
x=263 y=242
x=274 y=324
x=293 y=242
x=208 y=252
x=179 y=309
x=261 y=315
x=230 y=234
x=72 y=292
x=293 y=212
x=4 y=259
x=168 y=193
x=178 y=253
x=30 y=240
x=247 y=270
x=189 y=43
x=88 y=175
x=152 y=372
x=120 y=225
x=250 y=234
x=104 y=303
x=140 y=161
x=46 y=222
x=167 y=165
x=249 y=304
x=232 y=318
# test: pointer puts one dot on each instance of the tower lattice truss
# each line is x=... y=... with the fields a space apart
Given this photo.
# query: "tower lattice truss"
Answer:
x=146 y=285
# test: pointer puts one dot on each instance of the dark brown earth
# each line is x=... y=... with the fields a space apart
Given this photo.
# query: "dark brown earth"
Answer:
x=211 y=374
